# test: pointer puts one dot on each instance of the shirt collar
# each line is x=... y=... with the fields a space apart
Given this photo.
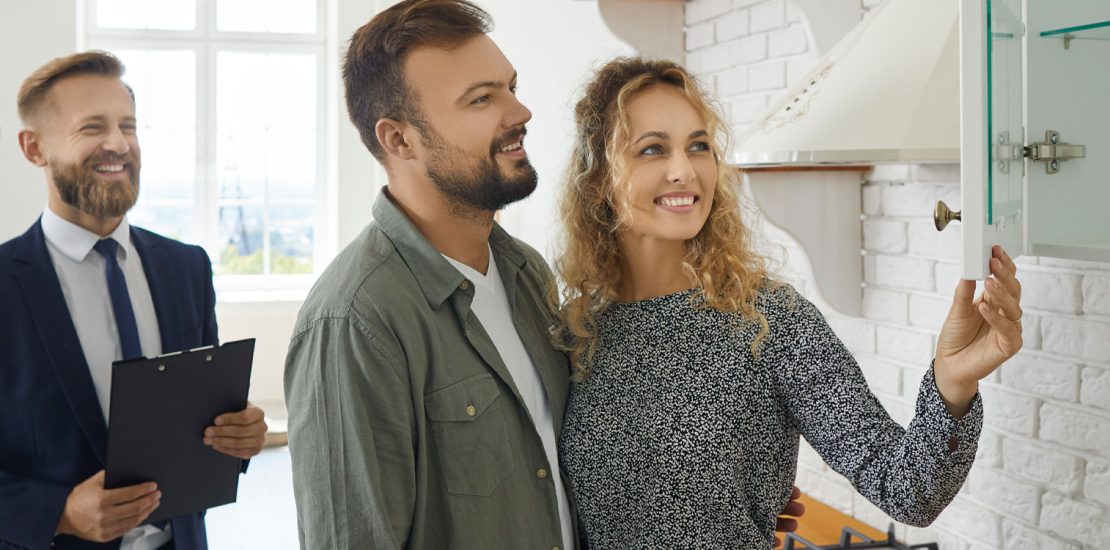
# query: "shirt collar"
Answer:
x=485 y=281
x=75 y=242
x=437 y=278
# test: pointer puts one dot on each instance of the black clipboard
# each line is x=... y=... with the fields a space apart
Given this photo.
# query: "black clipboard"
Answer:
x=159 y=410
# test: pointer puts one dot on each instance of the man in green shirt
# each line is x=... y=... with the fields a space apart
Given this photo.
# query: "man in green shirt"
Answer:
x=425 y=404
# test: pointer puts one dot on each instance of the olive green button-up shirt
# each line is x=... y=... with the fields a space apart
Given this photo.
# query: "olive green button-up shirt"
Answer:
x=405 y=427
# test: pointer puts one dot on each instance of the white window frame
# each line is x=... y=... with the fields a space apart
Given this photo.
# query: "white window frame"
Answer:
x=205 y=41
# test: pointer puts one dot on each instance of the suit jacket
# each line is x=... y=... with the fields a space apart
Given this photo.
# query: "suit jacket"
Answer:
x=52 y=432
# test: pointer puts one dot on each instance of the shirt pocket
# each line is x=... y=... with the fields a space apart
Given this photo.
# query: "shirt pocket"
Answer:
x=469 y=424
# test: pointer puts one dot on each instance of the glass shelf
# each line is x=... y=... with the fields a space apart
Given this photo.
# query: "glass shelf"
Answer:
x=1093 y=31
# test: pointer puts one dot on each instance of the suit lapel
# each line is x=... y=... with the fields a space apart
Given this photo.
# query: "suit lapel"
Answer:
x=39 y=282
x=159 y=274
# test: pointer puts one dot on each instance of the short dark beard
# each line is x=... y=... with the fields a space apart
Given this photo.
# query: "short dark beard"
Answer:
x=79 y=186
x=470 y=189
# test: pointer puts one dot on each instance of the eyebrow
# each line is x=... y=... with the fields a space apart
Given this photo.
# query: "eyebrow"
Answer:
x=486 y=84
x=664 y=135
x=102 y=118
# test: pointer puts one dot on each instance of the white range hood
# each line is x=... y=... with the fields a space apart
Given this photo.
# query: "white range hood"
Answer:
x=887 y=92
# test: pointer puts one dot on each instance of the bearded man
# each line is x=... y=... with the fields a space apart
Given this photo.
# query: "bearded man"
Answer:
x=78 y=291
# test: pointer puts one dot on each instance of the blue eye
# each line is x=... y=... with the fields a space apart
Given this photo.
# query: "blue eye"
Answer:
x=652 y=150
x=483 y=99
x=700 y=146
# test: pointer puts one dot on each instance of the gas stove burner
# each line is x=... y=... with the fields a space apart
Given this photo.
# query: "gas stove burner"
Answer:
x=794 y=542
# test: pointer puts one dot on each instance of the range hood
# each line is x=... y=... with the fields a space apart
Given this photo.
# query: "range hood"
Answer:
x=889 y=91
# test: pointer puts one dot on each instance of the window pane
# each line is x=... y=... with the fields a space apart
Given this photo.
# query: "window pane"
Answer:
x=171 y=89
x=297 y=16
x=164 y=82
x=146 y=14
x=120 y=14
x=266 y=155
x=240 y=240
x=241 y=90
x=291 y=86
x=169 y=220
x=291 y=239
x=169 y=164
x=277 y=16
x=241 y=164
x=291 y=165
x=171 y=14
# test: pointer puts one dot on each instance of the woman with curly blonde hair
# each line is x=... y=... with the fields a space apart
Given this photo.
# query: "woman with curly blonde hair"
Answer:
x=696 y=372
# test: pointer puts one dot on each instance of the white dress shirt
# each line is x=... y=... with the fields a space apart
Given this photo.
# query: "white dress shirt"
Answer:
x=84 y=283
x=491 y=307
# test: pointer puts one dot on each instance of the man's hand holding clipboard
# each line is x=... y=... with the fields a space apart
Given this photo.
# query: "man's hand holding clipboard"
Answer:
x=182 y=422
x=239 y=434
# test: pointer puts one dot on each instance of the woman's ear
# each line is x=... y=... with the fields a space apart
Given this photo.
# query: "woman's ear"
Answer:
x=391 y=136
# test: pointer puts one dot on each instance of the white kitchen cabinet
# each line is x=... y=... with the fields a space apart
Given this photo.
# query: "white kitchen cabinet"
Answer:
x=1035 y=129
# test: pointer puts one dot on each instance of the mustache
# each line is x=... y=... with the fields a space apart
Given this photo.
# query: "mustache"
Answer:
x=507 y=138
x=112 y=158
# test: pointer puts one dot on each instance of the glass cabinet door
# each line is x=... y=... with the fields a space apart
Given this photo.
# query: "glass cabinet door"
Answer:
x=991 y=131
x=1068 y=88
x=1035 y=147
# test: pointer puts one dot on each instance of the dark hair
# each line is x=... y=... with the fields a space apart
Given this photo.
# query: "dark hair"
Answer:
x=373 y=71
x=36 y=87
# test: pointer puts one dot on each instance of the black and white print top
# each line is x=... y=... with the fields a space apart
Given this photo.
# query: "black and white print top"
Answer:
x=680 y=438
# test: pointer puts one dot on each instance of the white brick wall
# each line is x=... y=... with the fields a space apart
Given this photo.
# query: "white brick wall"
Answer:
x=1095 y=388
x=750 y=48
x=885 y=305
x=885 y=236
x=1096 y=295
x=1078 y=521
x=1097 y=485
x=1042 y=464
x=905 y=272
x=1042 y=376
x=1042 y=473
x=1010 y=495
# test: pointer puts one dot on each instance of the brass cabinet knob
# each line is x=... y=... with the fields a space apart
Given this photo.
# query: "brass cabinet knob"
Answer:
x=942 y=215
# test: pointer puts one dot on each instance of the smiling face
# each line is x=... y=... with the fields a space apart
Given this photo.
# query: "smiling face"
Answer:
x=670 y=167
x=88 y=145
x=471 y=124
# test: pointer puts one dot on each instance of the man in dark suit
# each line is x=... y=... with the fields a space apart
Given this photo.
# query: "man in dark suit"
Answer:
x=79 y=290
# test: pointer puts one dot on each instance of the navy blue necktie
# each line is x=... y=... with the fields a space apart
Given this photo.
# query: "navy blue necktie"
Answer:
x=121 y=300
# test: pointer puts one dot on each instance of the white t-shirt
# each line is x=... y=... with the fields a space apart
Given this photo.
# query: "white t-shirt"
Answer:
x=491 y=307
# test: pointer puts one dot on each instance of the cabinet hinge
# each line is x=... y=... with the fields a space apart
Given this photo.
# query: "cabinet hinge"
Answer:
x=1052 y=152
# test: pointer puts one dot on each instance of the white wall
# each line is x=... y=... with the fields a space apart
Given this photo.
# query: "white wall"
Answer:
x=31 y=33
x=1042 y=476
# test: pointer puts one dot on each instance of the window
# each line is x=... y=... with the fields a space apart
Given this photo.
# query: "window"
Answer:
x=230 y=98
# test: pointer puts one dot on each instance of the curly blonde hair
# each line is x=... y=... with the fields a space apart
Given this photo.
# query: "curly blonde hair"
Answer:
x=594 y=207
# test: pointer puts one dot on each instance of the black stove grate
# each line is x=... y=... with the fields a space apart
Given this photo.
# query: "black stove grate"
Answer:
x=854 y=540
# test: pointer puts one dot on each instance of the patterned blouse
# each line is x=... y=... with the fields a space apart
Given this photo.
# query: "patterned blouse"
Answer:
x=680 y=438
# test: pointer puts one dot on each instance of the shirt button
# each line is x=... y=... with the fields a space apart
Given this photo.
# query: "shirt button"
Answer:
x=541 y=473
x=465 y=285
x=471 y=411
